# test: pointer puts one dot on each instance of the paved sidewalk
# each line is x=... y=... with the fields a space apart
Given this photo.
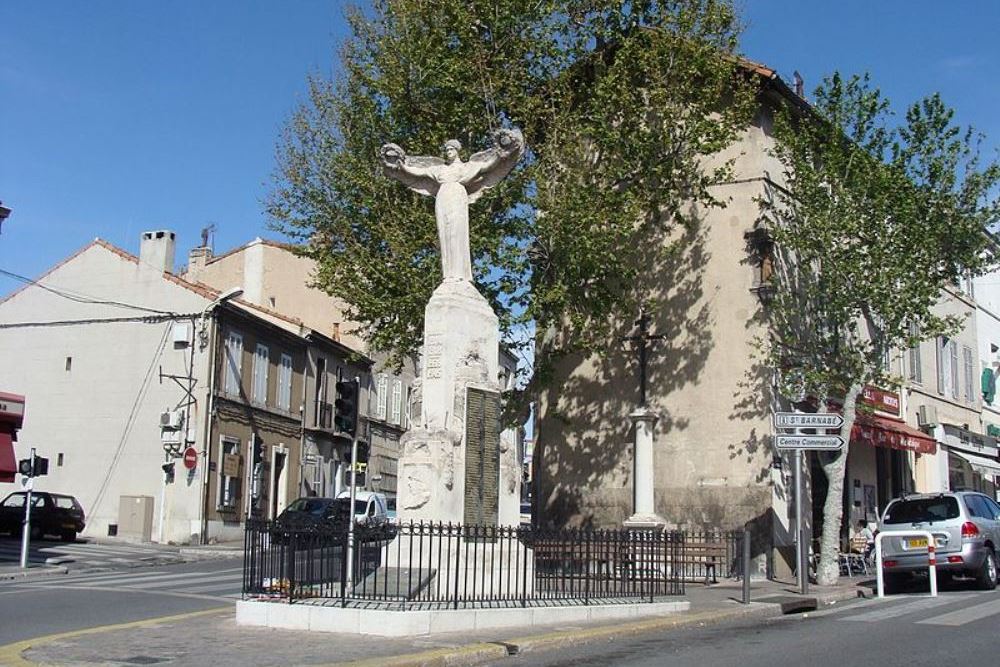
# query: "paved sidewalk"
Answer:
x=13 y=571
x=213 y=638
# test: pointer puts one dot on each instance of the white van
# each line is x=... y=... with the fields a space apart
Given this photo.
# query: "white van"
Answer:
x=370 y=508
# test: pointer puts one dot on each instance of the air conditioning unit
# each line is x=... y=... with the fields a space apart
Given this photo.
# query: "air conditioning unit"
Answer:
x=927 y=415
x=172 y=420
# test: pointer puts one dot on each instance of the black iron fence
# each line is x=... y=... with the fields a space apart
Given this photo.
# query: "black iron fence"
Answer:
x=452 y=565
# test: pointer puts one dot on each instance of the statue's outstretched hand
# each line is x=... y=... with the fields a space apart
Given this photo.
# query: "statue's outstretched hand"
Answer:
x=392 y=156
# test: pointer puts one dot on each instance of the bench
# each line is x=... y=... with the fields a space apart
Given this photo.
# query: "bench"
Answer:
x=708 y=555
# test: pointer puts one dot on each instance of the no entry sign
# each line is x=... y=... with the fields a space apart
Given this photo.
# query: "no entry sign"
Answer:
x=190 y=458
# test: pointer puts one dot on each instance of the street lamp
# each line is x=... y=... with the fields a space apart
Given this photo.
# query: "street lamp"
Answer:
x=230 y=293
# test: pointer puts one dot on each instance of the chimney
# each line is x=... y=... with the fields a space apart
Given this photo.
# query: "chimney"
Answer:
x=156 y=250
x=800 y=88
x=197 y=260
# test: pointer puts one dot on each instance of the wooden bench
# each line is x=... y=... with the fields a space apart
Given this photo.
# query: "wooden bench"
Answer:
x=708 y=555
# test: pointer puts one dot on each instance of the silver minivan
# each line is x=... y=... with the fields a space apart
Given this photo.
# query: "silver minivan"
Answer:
x=966 y=530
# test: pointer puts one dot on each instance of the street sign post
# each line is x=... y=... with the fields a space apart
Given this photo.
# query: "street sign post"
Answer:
x=190 y=458
x=811 y=442
x=819 y=420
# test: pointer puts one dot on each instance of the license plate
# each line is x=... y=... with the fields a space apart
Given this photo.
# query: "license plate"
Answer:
x=917 y=543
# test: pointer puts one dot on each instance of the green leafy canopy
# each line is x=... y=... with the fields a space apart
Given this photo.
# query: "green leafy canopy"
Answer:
x=619 y=103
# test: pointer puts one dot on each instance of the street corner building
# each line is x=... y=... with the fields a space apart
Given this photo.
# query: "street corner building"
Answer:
x=714 y=464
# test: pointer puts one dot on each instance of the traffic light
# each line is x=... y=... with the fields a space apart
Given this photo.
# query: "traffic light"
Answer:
x=359 y=477
x=40 y=467
x=363 y=451
x=345 y=408
x=168 y=471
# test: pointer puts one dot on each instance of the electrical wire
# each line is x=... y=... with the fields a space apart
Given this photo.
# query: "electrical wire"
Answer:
x=79 y=297
x=130 y=421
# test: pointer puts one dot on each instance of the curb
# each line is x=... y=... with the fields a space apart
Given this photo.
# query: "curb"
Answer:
x=193 y=553
x=479 y=653
x=33 y=573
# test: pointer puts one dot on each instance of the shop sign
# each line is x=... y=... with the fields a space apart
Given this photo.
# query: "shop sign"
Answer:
x=881 y=400
x=876 y=436
x=993 y=429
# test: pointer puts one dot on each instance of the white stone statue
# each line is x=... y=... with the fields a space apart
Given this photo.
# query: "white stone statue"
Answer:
x=454 y=185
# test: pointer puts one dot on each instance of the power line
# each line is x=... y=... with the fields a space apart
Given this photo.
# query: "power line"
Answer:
x=79 y=297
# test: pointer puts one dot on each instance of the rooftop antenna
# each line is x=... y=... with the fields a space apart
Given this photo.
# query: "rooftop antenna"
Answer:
x=205 y=231
x=800 y=88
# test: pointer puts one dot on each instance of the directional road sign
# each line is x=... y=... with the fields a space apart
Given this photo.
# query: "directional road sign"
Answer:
x=807 y=420
x=820 y=442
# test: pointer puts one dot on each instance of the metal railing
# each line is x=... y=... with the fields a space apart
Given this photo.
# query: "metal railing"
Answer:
x=710 y=555
x=447 y=565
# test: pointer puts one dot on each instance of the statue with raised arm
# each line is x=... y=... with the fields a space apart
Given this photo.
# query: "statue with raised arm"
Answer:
x=454 y=185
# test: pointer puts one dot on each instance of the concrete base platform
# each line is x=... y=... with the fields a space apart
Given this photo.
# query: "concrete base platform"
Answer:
x=409 y=623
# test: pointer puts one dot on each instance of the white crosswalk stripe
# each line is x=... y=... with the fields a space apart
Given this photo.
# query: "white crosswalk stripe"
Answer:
x=79 y=555
x=226 y=583
x=926 y=609
x=965 y=615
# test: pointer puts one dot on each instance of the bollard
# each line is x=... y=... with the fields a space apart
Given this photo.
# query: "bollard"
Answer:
x=746 y=564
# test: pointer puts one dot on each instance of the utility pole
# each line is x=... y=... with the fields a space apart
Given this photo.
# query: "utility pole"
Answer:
x=26 y=527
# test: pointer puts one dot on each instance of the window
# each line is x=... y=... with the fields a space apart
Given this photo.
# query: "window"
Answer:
x=229 y=473
x=59 y=460
x=947 y=367
x=234 y=363
x=69 y=364
x=397 y=400
x=968 y=374
x=15 y=501
x=382 y=397
x=915 y=375
x=261 y=358
x=285 y=383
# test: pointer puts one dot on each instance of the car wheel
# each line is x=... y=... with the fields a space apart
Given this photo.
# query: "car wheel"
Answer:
x=986 y=579
x=69 y=536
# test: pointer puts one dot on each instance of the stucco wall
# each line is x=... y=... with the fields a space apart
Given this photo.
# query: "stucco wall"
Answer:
x=101 y=409
x=712 y=454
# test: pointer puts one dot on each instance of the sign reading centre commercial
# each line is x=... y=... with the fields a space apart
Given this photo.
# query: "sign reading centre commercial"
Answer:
x=807 y=420
x=814 y=442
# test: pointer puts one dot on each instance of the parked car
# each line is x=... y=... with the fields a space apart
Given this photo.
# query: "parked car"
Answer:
x=312 y=511
x=51 y=514
x=966 y=530
x=390 y=508
x=370 y=508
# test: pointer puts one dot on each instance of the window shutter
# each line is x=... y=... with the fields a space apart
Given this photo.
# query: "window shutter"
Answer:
x=383 y=390
x=397 y=398
x=967 y=367
x=941 y=359
x=233 y=361
x=953 y=355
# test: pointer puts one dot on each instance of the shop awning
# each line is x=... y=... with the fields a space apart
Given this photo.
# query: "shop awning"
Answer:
x=881 y=432
x=8 y=464
x=981 y=464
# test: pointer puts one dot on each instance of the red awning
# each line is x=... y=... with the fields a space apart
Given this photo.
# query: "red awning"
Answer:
x=881 y=432
x=8 y=465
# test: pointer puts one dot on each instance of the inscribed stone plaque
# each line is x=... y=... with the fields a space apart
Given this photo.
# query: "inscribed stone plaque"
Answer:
x=482 y=457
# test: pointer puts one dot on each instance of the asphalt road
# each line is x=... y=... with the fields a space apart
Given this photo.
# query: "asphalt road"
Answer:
x=86 y=599
x=957 y=628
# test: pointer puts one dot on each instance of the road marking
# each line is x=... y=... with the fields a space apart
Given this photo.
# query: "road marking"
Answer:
x=118 y=577
x=11 y=653
x=163 y=583
x=966 y=614
x=906 y=608
x=236 y=584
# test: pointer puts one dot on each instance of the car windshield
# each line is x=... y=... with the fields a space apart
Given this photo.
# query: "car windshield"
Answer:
x=313 y=506
x=922 y=510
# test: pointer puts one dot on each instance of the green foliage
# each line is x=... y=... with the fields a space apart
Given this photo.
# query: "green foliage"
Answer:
x=873 y=222
x=619 y=102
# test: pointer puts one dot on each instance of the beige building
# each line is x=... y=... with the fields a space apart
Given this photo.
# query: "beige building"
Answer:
x=275 y=278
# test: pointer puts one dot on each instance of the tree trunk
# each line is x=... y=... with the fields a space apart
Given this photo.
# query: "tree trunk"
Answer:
x=828 y=571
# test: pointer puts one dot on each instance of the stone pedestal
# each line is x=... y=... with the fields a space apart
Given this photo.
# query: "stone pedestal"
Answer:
x=644 y=514
x=461 y=347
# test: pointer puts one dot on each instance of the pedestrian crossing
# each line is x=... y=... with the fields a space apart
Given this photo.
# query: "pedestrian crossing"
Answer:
x=223 y=583
x=936 y=611
x=83 y=555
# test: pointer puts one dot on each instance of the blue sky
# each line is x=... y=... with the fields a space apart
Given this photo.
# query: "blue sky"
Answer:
x=120 y=117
